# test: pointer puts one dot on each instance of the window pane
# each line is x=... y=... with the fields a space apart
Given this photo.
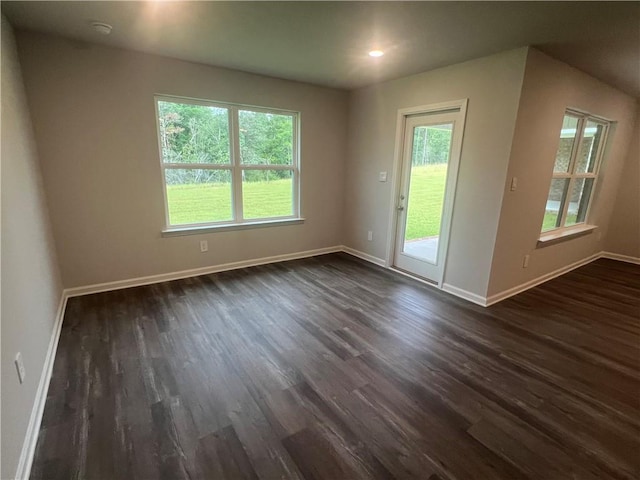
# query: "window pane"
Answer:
x=592 y=136
x=579 y=201
x=427 y=184
x=265 y=138
x=193 y=133
x=565 y=147
x=555 y=200
x=198 y=196
x=267 y=193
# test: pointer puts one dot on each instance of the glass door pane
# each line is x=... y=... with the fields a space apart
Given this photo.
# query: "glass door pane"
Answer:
x=431 y=148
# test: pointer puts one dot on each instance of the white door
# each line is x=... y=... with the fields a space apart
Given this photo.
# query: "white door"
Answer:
x=430 y=157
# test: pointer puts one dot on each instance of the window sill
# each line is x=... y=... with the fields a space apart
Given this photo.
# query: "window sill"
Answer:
x=179 y=231
x=561 y=235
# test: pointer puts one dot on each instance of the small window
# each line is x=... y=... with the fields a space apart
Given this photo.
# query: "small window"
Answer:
x=226 y=164
x=575 y=171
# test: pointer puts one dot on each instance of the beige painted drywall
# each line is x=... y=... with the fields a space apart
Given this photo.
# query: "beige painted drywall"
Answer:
x=31 y=286
x=94 y=118
x=549 y=88
x=623 y=236
x=492 y=85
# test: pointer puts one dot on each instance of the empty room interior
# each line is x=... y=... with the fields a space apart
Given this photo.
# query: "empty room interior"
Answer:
x=320 y=240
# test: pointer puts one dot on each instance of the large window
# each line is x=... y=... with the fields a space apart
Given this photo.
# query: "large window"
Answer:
x=582 y=141
x=227 y=164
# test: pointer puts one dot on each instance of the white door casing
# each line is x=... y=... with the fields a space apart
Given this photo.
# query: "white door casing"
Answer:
x=425 y=258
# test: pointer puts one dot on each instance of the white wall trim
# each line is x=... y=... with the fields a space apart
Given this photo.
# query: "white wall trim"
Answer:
x=470 y=296
x=458 y=292
x=415 y=278
x=194 y=272
x=498 y=297
x=364 y=256
x=537 y=281
x=396 y=171
x=33 y=428
x=621 y=258
x=27 y=453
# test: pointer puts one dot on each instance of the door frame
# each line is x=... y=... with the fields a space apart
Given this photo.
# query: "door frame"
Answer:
x=396 y=176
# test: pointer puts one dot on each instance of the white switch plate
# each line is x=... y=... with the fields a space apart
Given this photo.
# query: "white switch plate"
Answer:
x=383 y=176
x=370 y=235
x=514 y=184
x=204 y=246
x=20 y=367
x=525 y=262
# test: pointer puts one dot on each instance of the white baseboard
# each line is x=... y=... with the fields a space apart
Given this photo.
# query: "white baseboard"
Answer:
x=621 y=258
x=364 y=256
x=498 y=297
x=474 y=297
x=470 y=296
x=33 y=428
x=194 y=272
x=458 y=292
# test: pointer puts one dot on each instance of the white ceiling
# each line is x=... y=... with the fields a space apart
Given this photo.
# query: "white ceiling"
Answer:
x=326 y=43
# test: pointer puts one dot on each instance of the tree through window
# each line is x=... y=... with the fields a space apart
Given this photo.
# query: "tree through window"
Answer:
x=227 y=164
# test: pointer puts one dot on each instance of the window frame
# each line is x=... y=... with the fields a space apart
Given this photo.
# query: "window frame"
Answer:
x=235 y=167
x=571 y=175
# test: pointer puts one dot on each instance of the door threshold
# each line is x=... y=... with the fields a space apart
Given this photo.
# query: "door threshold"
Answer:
x=426 y=281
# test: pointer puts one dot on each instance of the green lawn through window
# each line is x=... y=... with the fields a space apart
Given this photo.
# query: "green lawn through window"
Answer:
x=212 y=202
x=426 y=194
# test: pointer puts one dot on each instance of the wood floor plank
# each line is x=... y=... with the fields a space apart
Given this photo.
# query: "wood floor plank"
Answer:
x=331 y=368
x=221 y=455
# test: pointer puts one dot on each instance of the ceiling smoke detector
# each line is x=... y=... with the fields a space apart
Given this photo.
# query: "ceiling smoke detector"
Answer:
x=101 y=27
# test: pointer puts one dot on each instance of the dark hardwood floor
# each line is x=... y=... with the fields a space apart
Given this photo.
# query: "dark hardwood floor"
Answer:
x=331 y=368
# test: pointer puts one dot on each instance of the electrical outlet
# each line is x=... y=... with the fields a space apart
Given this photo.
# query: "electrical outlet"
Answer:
x=514 y=184
x=525 y=262
x=204 y=246
x=370 y=235
x=20 y=367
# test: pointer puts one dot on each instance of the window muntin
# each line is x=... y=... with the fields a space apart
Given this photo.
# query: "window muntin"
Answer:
x=575 y=171
x=227 y=164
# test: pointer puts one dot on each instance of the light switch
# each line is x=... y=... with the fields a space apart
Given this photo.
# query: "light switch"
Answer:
x=514 y=184
x=383 y=176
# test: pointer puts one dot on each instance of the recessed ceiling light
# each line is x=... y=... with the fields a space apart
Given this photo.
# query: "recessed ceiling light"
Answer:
x=376 y=53
x=102 y=28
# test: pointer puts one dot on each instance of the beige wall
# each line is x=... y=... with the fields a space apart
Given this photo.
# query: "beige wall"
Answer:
x=31 y=287
x=549 y=88
x=492 y=85
x=623 y=236
x=94 y=119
